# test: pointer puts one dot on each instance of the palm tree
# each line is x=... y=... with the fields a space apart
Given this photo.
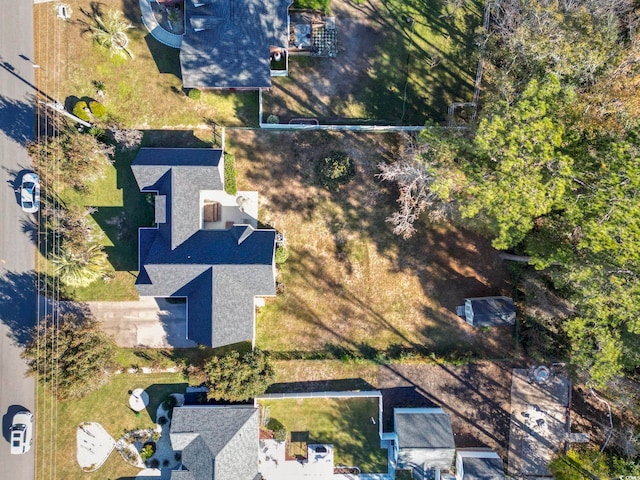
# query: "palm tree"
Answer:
x=80 y=269
x=110 y=33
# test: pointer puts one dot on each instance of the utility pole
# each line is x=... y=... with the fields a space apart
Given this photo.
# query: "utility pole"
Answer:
x=58 y=107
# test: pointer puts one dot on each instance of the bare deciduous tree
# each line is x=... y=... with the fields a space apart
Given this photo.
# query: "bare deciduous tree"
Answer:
x=415 y=178
x=127 y=138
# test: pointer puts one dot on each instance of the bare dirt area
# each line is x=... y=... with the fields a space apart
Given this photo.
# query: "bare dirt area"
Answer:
x=476 y=396
x=349 y=282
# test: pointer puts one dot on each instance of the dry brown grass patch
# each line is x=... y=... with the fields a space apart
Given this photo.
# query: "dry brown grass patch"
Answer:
x=349 y=283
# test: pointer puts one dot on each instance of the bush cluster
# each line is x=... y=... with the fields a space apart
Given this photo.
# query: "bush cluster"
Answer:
x=230 y=185
x=282 y=254
x=194 y=94
x=335 y=170
x=97 y=109
x=235 y=378
x=80 y=110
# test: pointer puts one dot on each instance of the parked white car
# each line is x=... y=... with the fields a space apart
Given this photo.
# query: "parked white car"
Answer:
x=30 y=193
x=21 y=433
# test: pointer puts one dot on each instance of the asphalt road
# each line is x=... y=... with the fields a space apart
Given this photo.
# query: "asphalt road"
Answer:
x=17 y=250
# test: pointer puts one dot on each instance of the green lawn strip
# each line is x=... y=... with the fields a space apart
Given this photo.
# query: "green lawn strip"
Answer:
x=168 y=358
x=109 y=406
x=344 y=423
x=119 y=289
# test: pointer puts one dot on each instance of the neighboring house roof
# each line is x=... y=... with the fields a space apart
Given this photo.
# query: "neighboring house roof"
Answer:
x=423 y=428
x=479 y=465
x=220 y=272
x=490 y=311
x=227 y=42
x=217 y=442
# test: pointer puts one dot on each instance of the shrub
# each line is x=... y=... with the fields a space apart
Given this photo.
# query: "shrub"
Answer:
x=230 y=185
x=162 y=420
x=273 y=119
x=155 y=463
x=280 y=434
x=278 y=429
x=80 y=111
x=236 y=378
x=97 y=132
x=97 y=109
x=178 y=456
x=147 y=451
x=194 y=94
x=282 y=254
x=82 y=352
x=99 y=86
x=165 y=463
x=335 y=170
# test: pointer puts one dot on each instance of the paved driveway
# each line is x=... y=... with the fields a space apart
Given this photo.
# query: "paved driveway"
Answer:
x=149 y=322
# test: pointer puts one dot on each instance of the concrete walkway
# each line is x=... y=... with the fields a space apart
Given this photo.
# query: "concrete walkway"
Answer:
x=160 y=34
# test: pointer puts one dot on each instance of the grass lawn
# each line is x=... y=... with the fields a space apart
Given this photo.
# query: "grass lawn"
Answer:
x=145 y=92
x=426 y=55
x=349 y=284
x=345 y=423
x=55 y=443
x=398 y=62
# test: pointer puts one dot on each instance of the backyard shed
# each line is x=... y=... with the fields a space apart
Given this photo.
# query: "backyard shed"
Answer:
x=424 y=439
x=488 y=311
x=479 y=464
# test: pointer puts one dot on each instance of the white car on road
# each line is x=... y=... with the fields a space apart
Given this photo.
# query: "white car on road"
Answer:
x=30 y=193
x=21 y=433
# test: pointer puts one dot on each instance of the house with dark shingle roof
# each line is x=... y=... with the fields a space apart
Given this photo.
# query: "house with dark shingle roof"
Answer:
x=228 y=43
x=205 y=246
x=479 y=464
x=216 y=442
x=424 y=439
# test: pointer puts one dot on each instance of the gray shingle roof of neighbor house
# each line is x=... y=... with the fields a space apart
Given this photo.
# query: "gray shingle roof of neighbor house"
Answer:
x=227 y=42
x=217 y=442
x=220 y=272
x=491 y=311
x=482 y=468
x=423 y=428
